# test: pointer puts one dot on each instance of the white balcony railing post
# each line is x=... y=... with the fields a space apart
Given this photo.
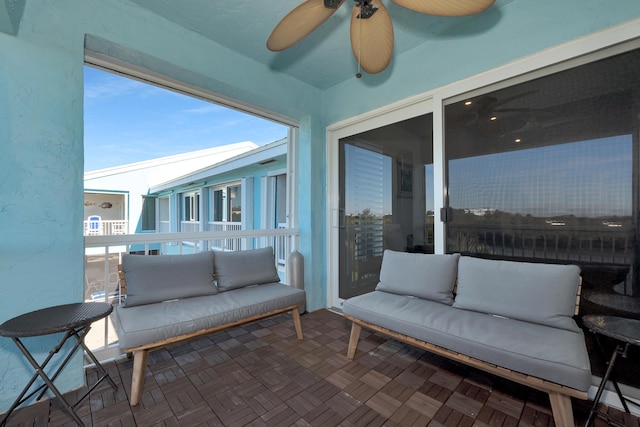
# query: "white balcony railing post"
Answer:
x=106 y=227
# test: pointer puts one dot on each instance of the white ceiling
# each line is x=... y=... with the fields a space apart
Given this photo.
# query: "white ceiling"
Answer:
x=324 y=58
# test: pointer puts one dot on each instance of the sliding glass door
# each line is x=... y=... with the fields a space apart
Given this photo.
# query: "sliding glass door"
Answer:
x=547 y=171
x=386 y=199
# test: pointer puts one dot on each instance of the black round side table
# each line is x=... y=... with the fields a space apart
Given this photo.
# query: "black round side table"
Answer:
x=72 y=319
x=626 y=332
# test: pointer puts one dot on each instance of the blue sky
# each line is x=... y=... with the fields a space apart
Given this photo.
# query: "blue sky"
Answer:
x=585 y=178
x=126 y=121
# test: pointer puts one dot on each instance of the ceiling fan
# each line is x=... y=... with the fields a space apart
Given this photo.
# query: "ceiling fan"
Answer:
x=371 y=27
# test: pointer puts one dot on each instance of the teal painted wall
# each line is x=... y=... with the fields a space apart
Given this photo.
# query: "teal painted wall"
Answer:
x=41 y=135
x=520 y=29
x=41 y=128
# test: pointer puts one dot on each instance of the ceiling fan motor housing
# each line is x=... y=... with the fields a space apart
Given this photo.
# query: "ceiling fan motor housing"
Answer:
x=366 y=9
x=332 y=4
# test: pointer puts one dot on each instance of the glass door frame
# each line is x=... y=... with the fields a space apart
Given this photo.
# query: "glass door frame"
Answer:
x=392 y=114
x=571 y=54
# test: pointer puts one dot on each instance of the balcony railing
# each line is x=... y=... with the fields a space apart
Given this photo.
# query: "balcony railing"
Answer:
x=603 y=245
x=104 y=253
x=106 y=227
x=226 y=244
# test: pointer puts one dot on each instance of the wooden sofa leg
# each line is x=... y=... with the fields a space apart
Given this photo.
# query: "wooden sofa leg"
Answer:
x=137 y=378
x=353 y=340
x=562 y=409
x=295 y=313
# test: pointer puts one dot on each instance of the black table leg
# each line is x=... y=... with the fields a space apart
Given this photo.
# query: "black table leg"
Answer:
x=74 y=320
x=40 y=372
x=103 y=372
x=622 y=350
x=79 y=335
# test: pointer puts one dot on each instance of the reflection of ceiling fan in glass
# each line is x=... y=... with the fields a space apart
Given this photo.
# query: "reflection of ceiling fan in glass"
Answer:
x=371 y=28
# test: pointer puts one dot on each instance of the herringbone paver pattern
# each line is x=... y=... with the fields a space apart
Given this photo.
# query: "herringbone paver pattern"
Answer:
x=261 y=375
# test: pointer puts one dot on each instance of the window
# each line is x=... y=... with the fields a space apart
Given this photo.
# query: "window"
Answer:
x=164 y=215
x=544 y=169
x=191 y=207
x=386 y=199
x=148 y=216
x=226 y=204
x=281 y=201
x=547 y=170
x=190 y=212
x=235 y=203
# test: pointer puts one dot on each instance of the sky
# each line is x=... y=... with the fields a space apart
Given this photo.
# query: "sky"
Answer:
x=592 y=178
x=584 y=178
x=126 y=121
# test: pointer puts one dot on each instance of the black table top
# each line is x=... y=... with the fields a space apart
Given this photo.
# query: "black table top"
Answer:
x=628 y=306
x=620 y=328
x=60 y=318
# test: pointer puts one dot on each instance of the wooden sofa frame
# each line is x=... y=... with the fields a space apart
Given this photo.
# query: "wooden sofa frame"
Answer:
x=559 y=395
x=141 y=353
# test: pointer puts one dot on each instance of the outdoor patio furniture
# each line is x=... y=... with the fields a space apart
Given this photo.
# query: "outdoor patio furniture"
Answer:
x=511 y=319
x=72 y=319
x=625 y=332
x=172 y=298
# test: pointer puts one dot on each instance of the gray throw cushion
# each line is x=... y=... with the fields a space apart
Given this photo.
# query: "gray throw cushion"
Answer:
x=243 y=268
x=160 y=278
x=425 y=276
x=538 y=293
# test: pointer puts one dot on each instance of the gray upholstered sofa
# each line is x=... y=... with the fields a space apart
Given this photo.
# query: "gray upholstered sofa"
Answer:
x=171 y=298
x=512 y=319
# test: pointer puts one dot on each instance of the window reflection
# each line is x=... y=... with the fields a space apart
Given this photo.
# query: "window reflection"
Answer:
x=547 y=171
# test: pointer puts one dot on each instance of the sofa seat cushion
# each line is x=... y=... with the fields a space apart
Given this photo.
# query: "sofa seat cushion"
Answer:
x=151 y=323
x=554 y=354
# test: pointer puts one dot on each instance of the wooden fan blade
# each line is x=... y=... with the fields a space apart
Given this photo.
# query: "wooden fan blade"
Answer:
x=372 y=38
x=446 y=7
x=299 y=23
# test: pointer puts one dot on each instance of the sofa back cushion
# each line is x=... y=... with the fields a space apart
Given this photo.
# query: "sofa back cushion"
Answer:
x=425 y=276
x=540 y=293
x=243 y=268
x=157 y=278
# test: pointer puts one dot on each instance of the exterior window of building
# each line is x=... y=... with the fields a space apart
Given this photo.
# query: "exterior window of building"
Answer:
x=225 y=204
x=164 y=215
x=191 y=207
x=217 y=204
x=148 y=216
x=190 y=212
x=223 y=200
x=235 y=203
